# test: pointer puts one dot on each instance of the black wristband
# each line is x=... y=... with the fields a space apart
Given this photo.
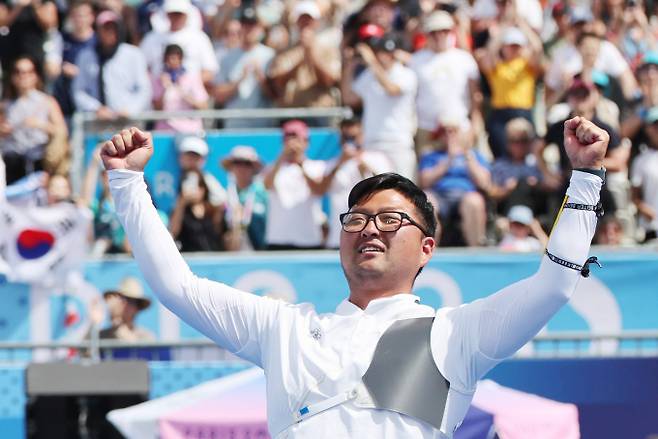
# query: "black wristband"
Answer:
x=598 y=172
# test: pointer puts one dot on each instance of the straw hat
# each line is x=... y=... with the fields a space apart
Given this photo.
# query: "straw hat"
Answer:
x=131 y=288
x=242 y=153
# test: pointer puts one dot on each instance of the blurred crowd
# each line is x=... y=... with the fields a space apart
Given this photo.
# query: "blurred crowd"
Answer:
x=466 y=97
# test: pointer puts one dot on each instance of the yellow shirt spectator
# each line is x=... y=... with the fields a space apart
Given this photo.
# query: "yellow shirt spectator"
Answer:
x=512 y=84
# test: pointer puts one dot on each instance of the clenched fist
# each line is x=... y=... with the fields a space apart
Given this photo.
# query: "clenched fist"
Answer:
x=585 y=143
x=130 y=149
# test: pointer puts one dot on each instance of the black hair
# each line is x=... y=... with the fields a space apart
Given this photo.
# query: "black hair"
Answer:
x=366 y=188
x=349 y=121
x=583 y=36
x=173 y=49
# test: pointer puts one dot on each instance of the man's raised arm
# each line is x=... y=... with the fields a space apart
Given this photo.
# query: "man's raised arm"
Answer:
x=494 y=328
x=237 y=321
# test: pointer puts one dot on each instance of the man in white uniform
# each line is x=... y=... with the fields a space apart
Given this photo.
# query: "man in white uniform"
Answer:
x=316 y=364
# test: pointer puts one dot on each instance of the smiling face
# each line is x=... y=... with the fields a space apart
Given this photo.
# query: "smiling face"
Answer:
x=379 y=264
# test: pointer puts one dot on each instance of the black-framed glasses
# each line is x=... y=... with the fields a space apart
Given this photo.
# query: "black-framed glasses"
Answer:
x=354 y=222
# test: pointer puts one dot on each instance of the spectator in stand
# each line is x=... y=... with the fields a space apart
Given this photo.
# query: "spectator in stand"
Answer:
x=294 y=215
x=354 y=164
x=511 y=63
x=246 y=205
x=124 y=304
x=305 y=74
x=515 y=177
x=448 y=83
x=524 y=232
x=25 y=26
x=199 y=54
x=195 y=224
x=582 y=97
x=647 y=77
x=627 y=27
x=456 y=174
x=177 y=89
x=192 y=153
x=32 y=121
x=113 y=80
x=560 y=14
x=227 y=38
x=80 y=18
x=241 y=82
x=387 y=91
x=587 y=50
x=609 y=231
x=644 y=178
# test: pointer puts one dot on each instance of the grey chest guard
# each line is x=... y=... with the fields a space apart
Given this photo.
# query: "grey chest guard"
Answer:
x=403 y=376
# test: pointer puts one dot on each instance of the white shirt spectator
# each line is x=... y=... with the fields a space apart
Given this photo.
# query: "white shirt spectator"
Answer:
x=198 y=53
x=389 y=122
x=294 y=214
x=443 y=85
x=346 y=177
x=567 y=62
x=644 y=175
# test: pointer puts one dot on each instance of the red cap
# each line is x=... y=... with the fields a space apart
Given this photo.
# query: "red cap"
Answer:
x=107 y=17
x=369 y=31
x=296 y=127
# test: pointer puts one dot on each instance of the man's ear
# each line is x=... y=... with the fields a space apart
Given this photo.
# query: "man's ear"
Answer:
x=427 y=248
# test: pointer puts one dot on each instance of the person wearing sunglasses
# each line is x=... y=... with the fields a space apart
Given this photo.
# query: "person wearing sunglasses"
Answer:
x=382 y=365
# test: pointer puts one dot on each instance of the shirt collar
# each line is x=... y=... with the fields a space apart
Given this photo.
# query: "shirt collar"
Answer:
x=346 y=308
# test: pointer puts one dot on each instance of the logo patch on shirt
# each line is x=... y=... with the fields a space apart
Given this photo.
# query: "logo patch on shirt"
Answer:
x=316 y=334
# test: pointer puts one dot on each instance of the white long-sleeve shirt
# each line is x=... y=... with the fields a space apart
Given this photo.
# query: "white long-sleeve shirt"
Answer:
x=309 y=357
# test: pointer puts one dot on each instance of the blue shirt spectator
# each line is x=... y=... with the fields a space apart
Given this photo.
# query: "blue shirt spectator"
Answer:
x=457 y=178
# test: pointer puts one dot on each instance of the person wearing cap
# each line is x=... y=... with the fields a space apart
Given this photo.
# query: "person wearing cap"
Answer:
x=199 y=54
x=568 y=59
x=644 y=178
x=448 y=82
x=192 y=154
x=524 y=233
x=124 y=304
x=382 y=365
x=176 y=89
x=113 y=80
x=241 y=82
x=512 y=63
x=387 y=91
x=246 y=204
x=305 y=74
x=294 y=214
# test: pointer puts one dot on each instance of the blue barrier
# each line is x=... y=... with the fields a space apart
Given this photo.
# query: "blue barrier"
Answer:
x=620 y=296
x=162 y=172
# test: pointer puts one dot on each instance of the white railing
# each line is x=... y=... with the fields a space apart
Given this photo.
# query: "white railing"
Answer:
x=577 y=344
